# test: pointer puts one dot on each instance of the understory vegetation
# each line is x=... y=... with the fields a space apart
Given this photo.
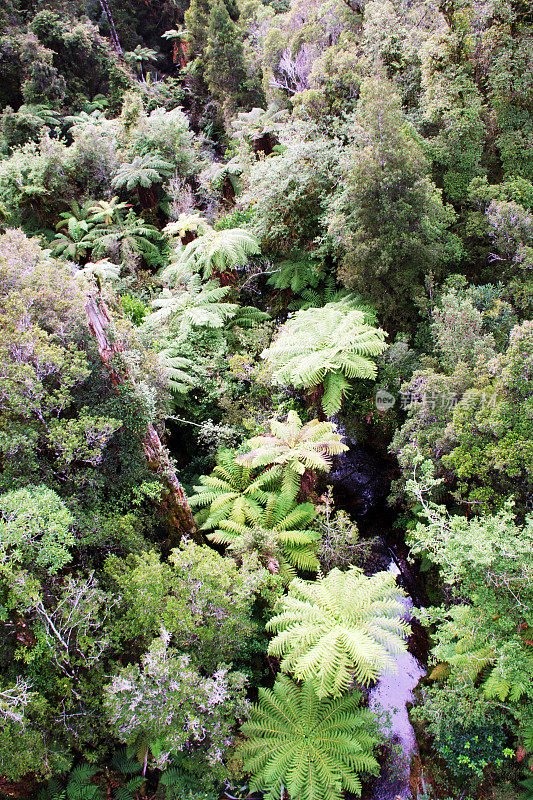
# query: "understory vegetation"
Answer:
x=240 y=239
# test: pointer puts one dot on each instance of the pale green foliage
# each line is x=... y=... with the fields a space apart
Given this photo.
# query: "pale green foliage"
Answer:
x=288 y=193
x=193 y=305
x=35 y=528
x=325 y=347
x=141 y=171
x=165 y=134
x=213 y=252
x=296 y=447
x=232 y=492
x=186 y=223
x=341 y=628
x=82 y=439
x=458 y=330
x=107 y=211
x=101 y=271
x=165 y=706
x=177 y=370
x=296 y=273
x=485 y=639
x=288 y=521
x=201 y=598
x=253 y=125
x=313 y=748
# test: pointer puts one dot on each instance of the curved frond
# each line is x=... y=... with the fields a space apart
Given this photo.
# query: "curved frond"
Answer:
x=314 y=748
x=341 y=627
x=330 y=345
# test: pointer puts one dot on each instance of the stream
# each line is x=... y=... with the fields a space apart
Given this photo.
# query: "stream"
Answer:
x=361 y=482
x=388 y=698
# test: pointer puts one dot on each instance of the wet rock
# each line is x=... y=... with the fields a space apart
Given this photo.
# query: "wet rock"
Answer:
x=361 y=482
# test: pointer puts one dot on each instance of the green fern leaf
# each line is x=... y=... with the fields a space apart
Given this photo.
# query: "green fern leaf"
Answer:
x=313 y=748
x=296 y=447
x=342 y=627
x=330 y=345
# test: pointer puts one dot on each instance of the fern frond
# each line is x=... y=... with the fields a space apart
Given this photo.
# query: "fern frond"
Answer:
x=341 y=627
x=176 y=369
x=232 y=492
x=52 y=791
x=194 y=305
x=123 y=764
x=313 y=748
x=334 y=343
x=213 y=252
x=296 y=447
x=296 y=273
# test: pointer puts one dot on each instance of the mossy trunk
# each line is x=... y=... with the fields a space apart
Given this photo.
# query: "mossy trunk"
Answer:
x=174 y=502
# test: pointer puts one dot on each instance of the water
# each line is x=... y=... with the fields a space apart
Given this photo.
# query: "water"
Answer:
x=390 y=695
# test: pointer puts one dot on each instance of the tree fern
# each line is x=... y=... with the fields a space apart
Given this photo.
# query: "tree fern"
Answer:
x=313 y=748
x=499 y=669
x=52 y=791
x=232 y=492
x=289 y=523
x=106 y=212
x=192 y=223
x=246 y=317
x=129 y=790
x=213 y=252
x=296 y=447
x=142 y=171
x=79 y=785
x=325 y=347
x=341 y=627
x=131 y=235
x=328 y=293
x=195 y=305
x=101 y=271
x=528 y=738
x=122 y=763
x=76 y=242
x=296 y=273
x=177 y=370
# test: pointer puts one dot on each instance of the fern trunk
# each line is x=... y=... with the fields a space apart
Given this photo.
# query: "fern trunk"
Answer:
x=174 y=502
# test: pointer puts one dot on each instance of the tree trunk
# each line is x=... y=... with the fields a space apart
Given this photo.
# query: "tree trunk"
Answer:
x=174 y=502
x=112 y=28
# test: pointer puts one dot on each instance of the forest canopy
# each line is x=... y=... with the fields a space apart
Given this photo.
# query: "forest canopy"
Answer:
x=266 y=399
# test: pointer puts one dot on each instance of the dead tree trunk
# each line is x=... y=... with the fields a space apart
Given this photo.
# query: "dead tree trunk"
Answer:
x=114 y=34
x=174 y=502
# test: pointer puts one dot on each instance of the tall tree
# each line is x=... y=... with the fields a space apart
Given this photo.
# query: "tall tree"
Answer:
x=387 y=219
x=225 y=72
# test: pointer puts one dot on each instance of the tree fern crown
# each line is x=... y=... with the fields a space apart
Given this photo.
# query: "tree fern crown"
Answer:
x=213 y=252
x=296 y=447
x=313 y=748
x=325 y=346
x=342 y=627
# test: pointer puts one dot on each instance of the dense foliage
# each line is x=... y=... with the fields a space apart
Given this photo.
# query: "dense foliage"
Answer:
x=241 y=243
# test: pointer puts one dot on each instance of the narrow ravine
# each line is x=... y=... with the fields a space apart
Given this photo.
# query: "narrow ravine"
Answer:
x=389 y=699
x=361 y=480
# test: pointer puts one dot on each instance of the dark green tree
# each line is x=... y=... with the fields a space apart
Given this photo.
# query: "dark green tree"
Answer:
x=387 y=219
x=225 y=72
